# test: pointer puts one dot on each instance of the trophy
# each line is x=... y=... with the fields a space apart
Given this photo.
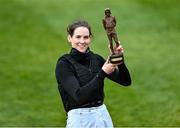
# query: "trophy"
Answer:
x=109 y=23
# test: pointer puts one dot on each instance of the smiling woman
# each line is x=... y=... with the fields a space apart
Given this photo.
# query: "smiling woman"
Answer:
x=81 y=39
x=80 y=76
x=32 y=36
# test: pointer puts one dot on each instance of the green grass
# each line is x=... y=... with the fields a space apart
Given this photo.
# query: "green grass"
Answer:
x=33 y=36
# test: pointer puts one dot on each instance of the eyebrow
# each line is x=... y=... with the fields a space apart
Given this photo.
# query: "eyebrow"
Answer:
x=82 y=35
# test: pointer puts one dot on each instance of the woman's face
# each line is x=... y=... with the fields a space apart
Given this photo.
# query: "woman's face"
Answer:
x=80 y=39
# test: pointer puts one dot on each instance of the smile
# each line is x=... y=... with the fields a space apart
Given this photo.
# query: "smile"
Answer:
x=81 y=45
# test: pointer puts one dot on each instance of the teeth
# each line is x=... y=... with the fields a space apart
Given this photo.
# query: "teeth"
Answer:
x=81 y=45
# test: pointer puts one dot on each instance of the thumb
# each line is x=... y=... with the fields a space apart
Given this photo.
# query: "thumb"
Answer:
x=107 y=60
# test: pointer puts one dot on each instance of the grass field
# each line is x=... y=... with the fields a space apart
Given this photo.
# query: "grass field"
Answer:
x=33 y=36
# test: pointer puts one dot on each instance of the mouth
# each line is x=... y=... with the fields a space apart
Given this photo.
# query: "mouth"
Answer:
x=82 y=45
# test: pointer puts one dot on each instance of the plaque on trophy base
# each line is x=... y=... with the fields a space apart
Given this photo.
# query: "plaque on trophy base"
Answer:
x=116 y=58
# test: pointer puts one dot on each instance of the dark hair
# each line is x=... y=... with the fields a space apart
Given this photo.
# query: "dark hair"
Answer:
x=76 y=24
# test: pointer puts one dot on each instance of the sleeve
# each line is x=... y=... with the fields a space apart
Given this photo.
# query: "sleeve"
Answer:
x=66 y=78
x=121 y=75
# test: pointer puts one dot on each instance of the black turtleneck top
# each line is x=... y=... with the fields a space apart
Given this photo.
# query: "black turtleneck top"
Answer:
x=75 y=96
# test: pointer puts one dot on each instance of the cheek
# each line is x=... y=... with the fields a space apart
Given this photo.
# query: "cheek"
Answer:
x=73 y=41
x=73 y=44
x=89 y=41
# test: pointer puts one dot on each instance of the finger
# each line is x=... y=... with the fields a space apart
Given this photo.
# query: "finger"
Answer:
x=120 y=49
x=107 y=60
x=114 y=65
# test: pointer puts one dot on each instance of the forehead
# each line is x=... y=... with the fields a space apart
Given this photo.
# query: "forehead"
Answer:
x=81 y=31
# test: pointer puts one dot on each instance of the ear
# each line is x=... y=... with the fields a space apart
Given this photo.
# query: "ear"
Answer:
x=69 y=38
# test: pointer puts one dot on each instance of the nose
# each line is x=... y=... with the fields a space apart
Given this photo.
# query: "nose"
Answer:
x=82 y=40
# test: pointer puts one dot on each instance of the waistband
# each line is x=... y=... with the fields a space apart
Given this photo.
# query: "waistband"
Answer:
x=84 y=110
x=87 y=105
x=92 y=104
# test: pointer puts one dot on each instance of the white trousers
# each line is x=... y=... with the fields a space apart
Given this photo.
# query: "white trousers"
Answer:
x=93 y=117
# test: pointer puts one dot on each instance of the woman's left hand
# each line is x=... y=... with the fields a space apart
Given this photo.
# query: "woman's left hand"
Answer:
x=118 y=49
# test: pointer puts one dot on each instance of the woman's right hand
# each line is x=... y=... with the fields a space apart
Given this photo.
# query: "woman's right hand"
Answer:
x=108 y=67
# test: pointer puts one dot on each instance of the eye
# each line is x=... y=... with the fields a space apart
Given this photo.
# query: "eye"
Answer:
x=78 y=36
x=86 y=37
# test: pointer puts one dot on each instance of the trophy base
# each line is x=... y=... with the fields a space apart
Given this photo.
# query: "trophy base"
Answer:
x=116 y=58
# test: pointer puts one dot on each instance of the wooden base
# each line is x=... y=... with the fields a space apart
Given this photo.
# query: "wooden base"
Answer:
x=116 y=58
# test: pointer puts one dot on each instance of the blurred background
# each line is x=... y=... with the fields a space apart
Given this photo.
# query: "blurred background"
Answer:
x=33 y=36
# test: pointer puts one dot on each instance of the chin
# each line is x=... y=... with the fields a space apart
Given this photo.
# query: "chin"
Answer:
x=82 y=50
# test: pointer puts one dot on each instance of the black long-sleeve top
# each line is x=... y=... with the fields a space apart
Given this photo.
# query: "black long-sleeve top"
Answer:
x=75 y=96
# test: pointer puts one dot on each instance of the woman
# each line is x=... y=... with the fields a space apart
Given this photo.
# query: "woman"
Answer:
x=80 y=76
